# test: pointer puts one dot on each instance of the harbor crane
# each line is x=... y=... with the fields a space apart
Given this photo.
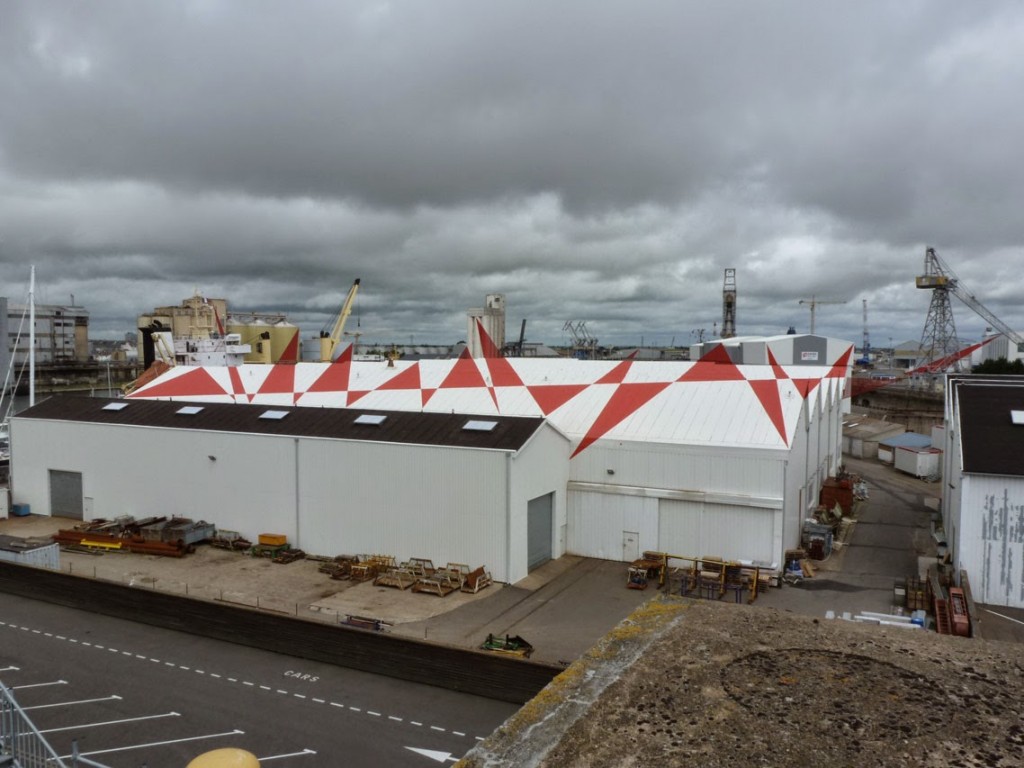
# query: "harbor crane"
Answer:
x=865 y=358
x=813 y=302
x=584 y=344
x=939 y=340
x=329 y=339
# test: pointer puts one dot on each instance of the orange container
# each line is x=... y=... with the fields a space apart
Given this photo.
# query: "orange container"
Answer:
x=273 y=539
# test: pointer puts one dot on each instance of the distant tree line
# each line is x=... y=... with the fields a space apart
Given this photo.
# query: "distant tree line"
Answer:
x=1000 y=366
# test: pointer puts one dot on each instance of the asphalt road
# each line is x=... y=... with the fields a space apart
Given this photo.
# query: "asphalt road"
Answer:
x=134 y=695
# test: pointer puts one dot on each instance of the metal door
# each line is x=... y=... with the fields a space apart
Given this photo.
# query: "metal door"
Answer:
x=630 y=546
x=66 y=494
x=538 y=530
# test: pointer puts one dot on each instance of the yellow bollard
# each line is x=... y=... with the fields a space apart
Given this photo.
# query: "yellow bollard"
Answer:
x=228 y=757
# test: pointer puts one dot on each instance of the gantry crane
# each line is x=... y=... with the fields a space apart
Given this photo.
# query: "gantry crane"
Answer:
x=584 y=344
x=814 y=302
x=939 y=340
x=329 y=339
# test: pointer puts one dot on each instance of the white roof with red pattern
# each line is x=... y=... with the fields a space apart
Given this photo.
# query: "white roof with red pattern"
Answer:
x=711 y=401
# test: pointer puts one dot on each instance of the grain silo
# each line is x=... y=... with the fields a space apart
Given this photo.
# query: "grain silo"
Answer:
x=284 y=342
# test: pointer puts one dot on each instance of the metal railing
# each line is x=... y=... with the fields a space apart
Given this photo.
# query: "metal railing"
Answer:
x=23 y=746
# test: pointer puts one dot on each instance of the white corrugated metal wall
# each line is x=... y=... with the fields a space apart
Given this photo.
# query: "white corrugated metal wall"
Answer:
x=226 y=479
x=687 y=500
x=599 y=522
x=992 y=538
x=696 y=529
x=444 y=504
x=328 y=497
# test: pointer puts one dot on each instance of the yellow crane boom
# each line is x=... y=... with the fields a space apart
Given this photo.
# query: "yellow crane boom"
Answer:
x=329 y=339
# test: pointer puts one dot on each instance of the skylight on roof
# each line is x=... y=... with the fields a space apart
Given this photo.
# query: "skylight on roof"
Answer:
x=474 y=425
x=275 y=415
x=376 y=419
x=189 y=410
x=115 y=406
x=1017 y=417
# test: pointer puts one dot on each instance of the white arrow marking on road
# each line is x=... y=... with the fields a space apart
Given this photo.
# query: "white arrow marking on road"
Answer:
x=11 y=669
x=115 y=697
x=112 y=722
x=290 y=754
x=433 y=754
x=38 y=685
x=235 y=732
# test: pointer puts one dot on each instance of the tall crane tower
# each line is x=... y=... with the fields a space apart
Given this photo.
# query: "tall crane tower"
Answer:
x=815 y=302
x=939 y=339
x=729 y=304
x=865 y=358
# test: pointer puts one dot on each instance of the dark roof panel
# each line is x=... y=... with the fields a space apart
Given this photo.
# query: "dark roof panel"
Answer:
x=992 y=443
x=509 y=434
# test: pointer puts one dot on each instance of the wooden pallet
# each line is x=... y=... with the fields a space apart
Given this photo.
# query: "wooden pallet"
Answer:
x=942 y=623
x=959 y=619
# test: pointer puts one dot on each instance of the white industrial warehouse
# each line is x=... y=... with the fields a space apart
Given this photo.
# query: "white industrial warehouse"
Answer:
x=506 y=462
x=983 y=496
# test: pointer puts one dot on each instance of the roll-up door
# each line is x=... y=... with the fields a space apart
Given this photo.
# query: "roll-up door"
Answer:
x=66 y=494
x=539 y=513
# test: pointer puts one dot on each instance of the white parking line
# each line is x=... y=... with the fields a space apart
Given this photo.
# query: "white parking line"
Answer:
x=11 y=669
x=113 y=697
x=112 y=722
x=38 y=685
x=292 y=754
x=235 y=732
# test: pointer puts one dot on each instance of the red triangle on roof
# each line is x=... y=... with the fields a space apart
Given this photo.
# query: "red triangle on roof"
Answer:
x=237 y=388
x=776 y=368
x=354 y=395
x=502 y=373
x=464 y=374
x=550 y=397
x=195 y=383
x=714 y=366
x=617 y=374
x=336 y=376
x=806 y=386
x=767 y=391
x=407 y=379
x=624 y=402
x=840 y=366
x=280 y=379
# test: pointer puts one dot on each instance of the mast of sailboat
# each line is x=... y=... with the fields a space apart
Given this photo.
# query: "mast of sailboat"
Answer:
x=32 y=337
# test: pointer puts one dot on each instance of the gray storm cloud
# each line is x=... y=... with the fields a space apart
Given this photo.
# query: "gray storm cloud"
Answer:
x=602 y=162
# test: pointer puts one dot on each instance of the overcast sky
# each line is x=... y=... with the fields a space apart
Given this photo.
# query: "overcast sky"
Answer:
x=594 y=161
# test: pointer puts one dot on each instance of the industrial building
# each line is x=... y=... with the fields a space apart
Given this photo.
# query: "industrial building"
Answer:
x=604 y=459
x=983 y=492
x=62 y=333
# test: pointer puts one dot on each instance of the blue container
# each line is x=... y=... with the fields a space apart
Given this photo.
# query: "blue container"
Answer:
x=21 y=510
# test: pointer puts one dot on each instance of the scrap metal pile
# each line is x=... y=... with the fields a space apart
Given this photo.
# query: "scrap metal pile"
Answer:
x=171 y=537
